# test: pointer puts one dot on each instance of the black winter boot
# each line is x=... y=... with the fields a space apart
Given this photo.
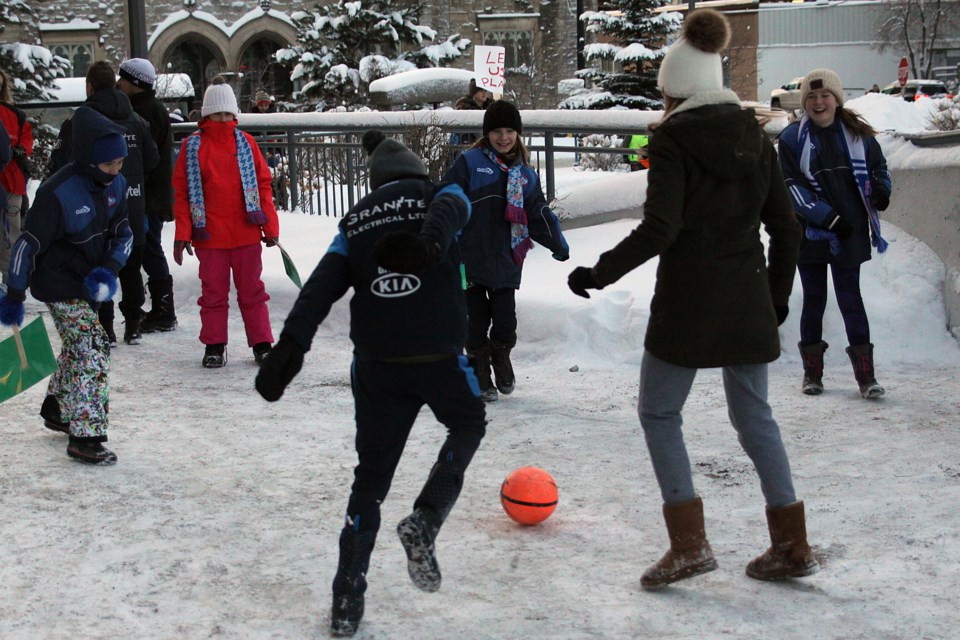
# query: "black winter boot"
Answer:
x=861 y=357
x=417 y=533
x=90 y=451
x=105 y=315
x=215 y=356
x=502 y=368
x=52 y=418
x=350 y=583
x=480 y=361
x=162 y=317
x=131 y=328
x=260 y=352
x=812 y=355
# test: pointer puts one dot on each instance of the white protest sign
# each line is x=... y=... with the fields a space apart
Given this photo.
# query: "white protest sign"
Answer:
x=488 y=67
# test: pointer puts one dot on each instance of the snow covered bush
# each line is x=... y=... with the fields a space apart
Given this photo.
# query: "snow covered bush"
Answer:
x=947 y=115
x=602 y=161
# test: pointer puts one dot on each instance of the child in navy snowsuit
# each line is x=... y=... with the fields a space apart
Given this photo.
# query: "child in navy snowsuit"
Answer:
x=75 y=240
x=396 y=249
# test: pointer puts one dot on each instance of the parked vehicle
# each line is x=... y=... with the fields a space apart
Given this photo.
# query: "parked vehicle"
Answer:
x=916 y=89
x=892 y=89
x=787 y=97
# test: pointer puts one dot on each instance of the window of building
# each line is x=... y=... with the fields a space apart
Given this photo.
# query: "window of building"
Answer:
x=76 y=41
x=512 y=31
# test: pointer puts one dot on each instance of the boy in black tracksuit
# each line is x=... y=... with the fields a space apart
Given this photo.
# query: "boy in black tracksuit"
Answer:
x=408 y=324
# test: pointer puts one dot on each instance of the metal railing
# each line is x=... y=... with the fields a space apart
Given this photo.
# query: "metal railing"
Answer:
x=323 y=172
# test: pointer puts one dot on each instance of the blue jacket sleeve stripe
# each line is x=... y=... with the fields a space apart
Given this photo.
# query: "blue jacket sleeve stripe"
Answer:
x=339 y=245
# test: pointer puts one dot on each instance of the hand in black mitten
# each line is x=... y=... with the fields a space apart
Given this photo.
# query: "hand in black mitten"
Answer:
x=581 y=279
x=782 y=311
x=279 y=368
x=881 y=202
x=404 y=252
x=840 y=227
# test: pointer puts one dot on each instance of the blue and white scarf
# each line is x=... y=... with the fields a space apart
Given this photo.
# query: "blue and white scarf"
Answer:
x=857 y=154
x=515 y=214
x=248 y=178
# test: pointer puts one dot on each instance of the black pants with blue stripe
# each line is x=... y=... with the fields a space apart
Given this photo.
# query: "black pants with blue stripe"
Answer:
x=388 y=396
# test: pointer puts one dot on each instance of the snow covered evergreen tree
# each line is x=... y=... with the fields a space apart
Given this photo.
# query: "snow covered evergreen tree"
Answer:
x=32 y=68
x=344 y=46
x=637 y=45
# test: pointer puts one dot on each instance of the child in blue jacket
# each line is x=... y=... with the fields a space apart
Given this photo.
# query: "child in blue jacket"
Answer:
x=509 y=213
x=76 y=238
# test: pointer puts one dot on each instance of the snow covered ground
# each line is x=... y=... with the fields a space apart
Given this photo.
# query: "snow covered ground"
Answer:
x=221 y=518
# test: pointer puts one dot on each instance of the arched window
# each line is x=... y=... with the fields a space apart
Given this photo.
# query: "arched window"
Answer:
x=196 y=59
x=261 y=72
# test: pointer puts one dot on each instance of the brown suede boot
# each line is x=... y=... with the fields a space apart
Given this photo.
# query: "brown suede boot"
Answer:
x=690 y=553
x=789 y=555
x=861 y=357
x=812 y=355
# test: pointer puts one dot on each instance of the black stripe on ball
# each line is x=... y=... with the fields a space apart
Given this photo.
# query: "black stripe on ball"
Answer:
x=523 y=503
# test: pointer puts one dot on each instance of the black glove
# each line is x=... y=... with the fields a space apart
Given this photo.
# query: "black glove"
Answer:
x=840 y=227
x=782 y=312
x=580 y=280
x=881 y=202
x=404 y=252
x=281 y=365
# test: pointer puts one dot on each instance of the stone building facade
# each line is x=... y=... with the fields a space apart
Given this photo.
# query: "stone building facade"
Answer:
x=237 y=38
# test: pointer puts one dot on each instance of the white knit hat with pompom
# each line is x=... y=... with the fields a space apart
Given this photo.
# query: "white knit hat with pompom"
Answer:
x=692 y=64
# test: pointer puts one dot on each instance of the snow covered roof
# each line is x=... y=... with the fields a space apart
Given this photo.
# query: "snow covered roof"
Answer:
x=421 y=86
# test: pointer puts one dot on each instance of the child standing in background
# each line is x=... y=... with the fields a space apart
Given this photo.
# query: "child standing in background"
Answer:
x=509 y=212
x=223 y=209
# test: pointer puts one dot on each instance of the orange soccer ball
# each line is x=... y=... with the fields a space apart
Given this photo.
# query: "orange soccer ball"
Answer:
x=529 y=495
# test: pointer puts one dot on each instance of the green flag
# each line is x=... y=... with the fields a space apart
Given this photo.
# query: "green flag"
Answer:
x=25 y=359
x=290 y=268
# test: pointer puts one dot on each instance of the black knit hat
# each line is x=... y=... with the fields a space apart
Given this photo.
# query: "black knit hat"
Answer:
x=501 y=115
x=389 y=159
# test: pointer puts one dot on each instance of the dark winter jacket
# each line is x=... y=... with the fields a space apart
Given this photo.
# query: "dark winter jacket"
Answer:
x=392 y=316
x=142 y=155
x=713 y=180
x=159 y=180
x=830 y=166
x=485 y=242
x=467 y=103
x=76 y=223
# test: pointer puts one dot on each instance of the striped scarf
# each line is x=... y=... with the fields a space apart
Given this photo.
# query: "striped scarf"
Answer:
x=857 y=154
x=515 y=214
x=248 y=178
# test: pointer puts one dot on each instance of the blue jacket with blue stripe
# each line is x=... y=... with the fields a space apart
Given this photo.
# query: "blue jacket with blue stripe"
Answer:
x=76 y=223
x=485 y=243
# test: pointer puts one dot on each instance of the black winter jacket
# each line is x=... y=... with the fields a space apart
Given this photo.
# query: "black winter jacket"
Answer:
x=159 y=180
x=142 y=155
x=392 y=316
x=713 y=180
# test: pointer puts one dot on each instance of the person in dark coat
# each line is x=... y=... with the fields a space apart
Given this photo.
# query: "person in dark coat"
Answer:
x=396 y=248
x=137 y=78
x=476 y=99
x=838 y=181
x=713 y=181
x=76 y=238
x=510 y=212
x=103 y=96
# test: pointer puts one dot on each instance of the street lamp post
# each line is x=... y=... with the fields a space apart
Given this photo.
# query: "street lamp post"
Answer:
x=137 y=28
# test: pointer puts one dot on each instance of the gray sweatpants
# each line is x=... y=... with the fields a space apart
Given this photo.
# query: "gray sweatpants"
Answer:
x=664 y=388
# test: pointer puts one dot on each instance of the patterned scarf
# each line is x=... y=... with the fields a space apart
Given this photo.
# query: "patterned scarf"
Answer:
x=857 y=154
x=515 y=214
x=248 y=178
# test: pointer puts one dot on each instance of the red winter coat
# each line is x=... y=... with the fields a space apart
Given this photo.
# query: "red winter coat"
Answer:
x=11 y=178
x=226 y=212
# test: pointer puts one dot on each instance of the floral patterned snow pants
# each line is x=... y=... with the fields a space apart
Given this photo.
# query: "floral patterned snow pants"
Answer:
x=80 y=383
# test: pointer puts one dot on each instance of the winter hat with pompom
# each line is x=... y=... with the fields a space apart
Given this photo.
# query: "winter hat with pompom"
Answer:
x=219 y=98
x=389 y=159
x=821 y=79
x=692 y=64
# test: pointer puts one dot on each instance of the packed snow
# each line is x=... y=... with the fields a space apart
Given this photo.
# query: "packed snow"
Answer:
x=221 y=518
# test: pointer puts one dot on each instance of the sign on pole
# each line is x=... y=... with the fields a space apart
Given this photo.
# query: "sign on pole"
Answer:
x=488 y=66
x=903 y=71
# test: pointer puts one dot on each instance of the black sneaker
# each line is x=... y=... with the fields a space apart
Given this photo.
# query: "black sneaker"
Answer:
x=416 y=536
x=52 y=418
x=90 y=452
x=215 y=356
x=260 y=351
